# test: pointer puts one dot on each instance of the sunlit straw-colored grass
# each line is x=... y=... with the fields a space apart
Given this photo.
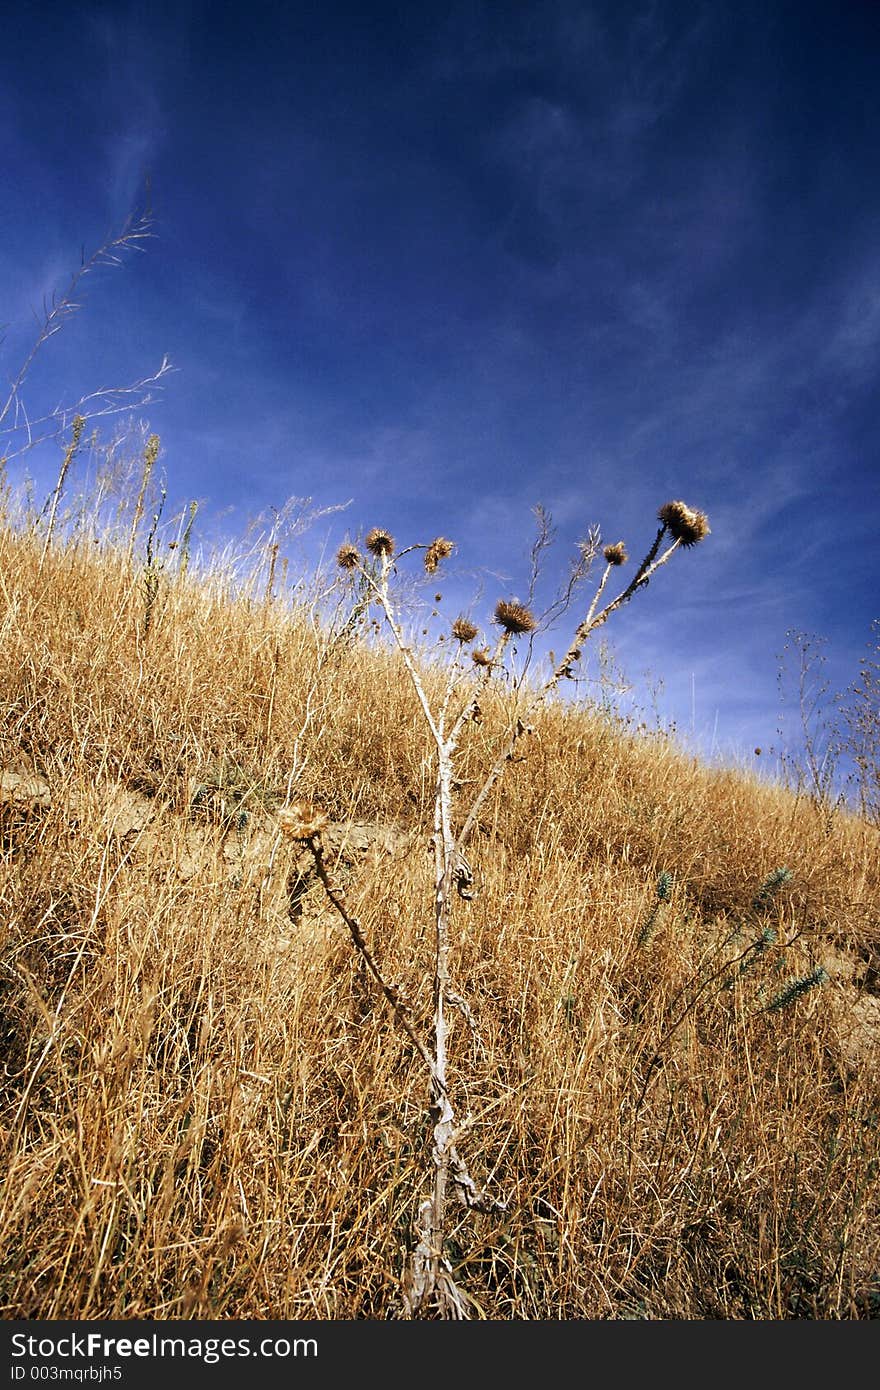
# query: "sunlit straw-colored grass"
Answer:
x=207 y=1108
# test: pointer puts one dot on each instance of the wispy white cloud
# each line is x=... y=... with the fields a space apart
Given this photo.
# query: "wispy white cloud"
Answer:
x=853 y=343
x=133 y=62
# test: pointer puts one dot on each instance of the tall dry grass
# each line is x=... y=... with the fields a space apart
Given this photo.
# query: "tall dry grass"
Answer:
x=207 y=1108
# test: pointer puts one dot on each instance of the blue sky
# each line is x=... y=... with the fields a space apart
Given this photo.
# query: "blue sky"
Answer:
x=453 y=260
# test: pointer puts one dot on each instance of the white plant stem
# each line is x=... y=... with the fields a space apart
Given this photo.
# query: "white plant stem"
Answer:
x=429 y=1281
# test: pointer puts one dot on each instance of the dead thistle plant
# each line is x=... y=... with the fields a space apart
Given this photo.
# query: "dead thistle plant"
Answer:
x=429 y=1285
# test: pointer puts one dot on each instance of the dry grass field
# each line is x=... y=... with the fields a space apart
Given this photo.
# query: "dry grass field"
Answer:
x=665 y=1051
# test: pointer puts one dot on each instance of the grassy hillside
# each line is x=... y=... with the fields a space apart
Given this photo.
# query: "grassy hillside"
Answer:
x=667 y=1049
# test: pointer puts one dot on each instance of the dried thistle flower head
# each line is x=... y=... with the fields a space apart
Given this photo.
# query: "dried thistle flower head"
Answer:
x=348 y=556
x=684 y=523
x=439 y=549
x=379 y=542
x=302 y=821
x=463 y=630
x=514 y=617
x=480 y=657
x=616 y=554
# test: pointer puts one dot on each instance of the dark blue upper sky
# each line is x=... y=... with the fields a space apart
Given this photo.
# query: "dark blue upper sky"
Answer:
x=452 y=260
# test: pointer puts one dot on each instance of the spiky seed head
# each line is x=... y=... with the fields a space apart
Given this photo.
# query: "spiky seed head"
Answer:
x=514 y=617
x=684 y=523
x=302 y=821
x=480 y=657
x=439 y=549
x=463 y=630
x=348 y=556
x=616 y=554
x=379 y=542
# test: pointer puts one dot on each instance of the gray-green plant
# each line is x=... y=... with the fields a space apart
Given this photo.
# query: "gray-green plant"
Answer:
x=663 y=894
x=718 y=973
x=796 y=988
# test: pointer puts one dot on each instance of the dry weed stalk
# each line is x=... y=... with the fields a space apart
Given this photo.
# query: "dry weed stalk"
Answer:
x=861 y=714
x=429 y=1283
x=25 y=430
x=70 y=452
x=151 y=454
